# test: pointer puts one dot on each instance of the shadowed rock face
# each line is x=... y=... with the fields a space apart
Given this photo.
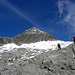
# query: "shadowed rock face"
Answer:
x=22 y=61
x=29 y=36
x=5 y=40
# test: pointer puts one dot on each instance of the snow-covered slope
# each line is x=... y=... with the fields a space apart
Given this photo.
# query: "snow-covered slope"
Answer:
x=40 y=58
x=45 y=45
x=27 y=51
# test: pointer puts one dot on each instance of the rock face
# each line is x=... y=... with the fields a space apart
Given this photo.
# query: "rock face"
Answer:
x=4 y=40
x=33 y=35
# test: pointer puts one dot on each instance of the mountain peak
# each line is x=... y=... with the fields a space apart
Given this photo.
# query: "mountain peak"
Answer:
x=33 y=35
x=34 y=30
x=29 y=36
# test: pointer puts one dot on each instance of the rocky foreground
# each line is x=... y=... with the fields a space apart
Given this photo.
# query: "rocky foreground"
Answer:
x=53 y=62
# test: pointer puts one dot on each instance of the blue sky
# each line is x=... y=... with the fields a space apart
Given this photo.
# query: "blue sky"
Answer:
x=56 y=17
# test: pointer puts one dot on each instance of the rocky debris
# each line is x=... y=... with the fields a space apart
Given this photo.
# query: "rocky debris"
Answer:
x=53 y=62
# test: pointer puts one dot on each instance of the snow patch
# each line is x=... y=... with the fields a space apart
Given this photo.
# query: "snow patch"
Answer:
x=43 y=45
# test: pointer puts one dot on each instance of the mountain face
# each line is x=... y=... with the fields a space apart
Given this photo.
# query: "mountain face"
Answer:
x=32 y=59
x=5 y=40
x=33 y=35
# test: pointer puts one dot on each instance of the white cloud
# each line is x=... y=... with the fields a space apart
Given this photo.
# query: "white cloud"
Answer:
x=67 y=8
x=60 y=6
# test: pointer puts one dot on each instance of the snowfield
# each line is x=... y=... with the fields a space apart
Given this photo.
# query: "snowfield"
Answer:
x=43 y=45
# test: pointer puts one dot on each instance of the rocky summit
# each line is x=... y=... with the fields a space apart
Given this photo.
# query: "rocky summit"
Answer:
x=33 y=35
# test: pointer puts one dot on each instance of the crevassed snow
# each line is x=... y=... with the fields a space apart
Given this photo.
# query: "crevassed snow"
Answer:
x=38 y=45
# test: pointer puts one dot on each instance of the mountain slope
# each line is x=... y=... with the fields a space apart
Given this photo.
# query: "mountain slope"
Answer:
x=42 y=45
x=5 y=40
x=32 y=59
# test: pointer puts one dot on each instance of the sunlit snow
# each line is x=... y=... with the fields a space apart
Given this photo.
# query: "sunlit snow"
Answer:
x=45 y=45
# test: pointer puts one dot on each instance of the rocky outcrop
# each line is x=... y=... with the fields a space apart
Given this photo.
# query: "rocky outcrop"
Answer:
x=5 y=40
